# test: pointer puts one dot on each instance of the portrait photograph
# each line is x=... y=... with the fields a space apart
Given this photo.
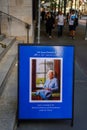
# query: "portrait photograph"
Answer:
x=45 y=79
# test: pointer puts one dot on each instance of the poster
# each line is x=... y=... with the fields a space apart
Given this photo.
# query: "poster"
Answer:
x=45 y=81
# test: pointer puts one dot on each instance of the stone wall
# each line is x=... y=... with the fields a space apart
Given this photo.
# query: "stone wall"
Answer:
x=22 y=9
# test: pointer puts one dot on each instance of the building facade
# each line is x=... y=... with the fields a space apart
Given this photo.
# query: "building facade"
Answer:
x=21 y=9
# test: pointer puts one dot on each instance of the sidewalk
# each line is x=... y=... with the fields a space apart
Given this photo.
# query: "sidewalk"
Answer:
x=80 y=43
x=80 y=84
x=65 y=39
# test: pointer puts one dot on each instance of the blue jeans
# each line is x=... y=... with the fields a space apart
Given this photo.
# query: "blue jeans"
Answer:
x=60 y=30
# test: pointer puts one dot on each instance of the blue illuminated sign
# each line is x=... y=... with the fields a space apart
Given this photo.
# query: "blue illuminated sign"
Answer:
x=45 y=84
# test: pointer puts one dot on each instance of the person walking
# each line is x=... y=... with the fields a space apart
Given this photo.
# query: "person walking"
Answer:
x=49 y=24
x=60 y=22
x=43 y=15
x=72 y=24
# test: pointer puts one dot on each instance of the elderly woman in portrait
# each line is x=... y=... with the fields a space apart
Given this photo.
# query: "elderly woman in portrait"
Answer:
x=50 y=86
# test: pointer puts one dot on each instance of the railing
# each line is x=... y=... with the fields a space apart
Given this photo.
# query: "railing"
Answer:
x=86 y=29
x=10 y=17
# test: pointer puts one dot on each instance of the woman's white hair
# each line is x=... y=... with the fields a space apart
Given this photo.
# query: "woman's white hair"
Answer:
x=50 y=71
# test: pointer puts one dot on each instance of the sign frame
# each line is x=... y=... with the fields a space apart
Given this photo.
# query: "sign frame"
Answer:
x=18 y=102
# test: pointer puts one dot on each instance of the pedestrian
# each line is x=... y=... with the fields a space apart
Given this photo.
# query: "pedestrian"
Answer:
x=60 y=23
x=67 y=17
x=72 y=24
x=49 y=24
x=43 y=15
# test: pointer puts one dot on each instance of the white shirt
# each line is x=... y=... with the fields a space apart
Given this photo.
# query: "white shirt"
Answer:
x=60 y=19
x=72 y=18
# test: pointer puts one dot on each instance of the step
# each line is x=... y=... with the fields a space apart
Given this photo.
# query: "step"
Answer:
x=8 y=102
x=6 y=65
x=2 y=36
x=8 y=42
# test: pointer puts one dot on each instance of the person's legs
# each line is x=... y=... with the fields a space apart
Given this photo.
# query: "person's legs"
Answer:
x=44 y=94
x=70 y=30
x=59 y=30
x=47 y=29
x=73 y=32
x=50 y=32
